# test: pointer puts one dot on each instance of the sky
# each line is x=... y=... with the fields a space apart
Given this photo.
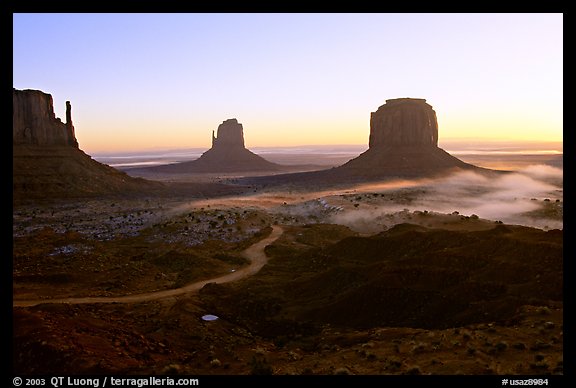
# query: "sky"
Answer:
x=160 y=81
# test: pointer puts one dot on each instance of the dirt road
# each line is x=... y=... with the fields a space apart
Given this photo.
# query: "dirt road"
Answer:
x=255 y=253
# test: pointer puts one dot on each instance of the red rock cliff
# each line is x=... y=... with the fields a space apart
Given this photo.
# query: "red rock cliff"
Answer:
x=34 y=121
x=403 y=122
x=230 y=134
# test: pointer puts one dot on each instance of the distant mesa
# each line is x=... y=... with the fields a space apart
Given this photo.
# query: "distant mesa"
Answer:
x=403 y=143
x=47 y=161
x=403 y=122
x=227 y=155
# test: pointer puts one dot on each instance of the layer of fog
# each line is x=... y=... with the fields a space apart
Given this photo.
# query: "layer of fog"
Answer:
x=532 y=196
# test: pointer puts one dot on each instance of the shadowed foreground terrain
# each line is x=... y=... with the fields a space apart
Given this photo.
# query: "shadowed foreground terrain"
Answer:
x=410 y=300
x=408 y=276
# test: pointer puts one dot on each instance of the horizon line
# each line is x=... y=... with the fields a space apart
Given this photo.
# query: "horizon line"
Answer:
x=476 y=141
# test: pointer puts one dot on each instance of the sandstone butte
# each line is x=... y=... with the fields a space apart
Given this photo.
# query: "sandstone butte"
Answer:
x=34 y=121
x=227 y=155
x=47 y=160
x=403 y=142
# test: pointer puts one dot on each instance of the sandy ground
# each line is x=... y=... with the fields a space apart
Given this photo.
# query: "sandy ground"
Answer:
x=255 y=254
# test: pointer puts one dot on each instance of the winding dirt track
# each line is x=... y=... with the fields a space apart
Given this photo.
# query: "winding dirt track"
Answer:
x=255 y=253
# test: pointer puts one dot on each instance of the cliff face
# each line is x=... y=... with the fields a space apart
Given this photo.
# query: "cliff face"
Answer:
x=47 y=161
x=230 y=134
x=34 y=121
x=403 y=122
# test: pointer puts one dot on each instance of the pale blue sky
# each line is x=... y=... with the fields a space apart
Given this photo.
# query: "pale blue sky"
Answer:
x=139 y=81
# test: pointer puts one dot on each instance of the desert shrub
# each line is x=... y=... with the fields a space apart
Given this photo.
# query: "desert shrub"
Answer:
x=540 y=366
x=414 y=370
x=543 y=310
x=393 y=364
x=172 y=369
x=342 y=371
x=539 y=345
x=519 y=346
x=501 y=346
x=371 y=356
x=259 y=365
x=418 y=348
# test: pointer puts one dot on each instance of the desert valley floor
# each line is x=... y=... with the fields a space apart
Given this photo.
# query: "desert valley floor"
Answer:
x=389 y=278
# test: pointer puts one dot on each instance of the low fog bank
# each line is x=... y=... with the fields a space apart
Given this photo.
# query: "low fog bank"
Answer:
x=328 y=156
x=532 y=196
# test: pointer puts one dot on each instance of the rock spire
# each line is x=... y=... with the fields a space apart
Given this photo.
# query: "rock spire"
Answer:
x=47 y=162
x=34 y=121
